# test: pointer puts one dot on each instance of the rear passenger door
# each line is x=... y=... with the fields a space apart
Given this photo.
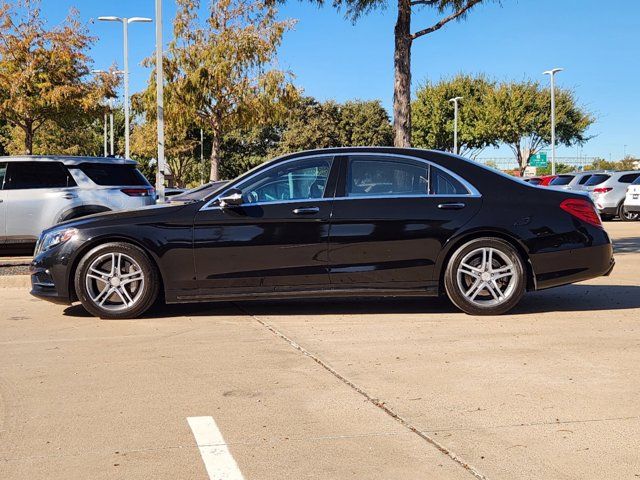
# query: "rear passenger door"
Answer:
x=36 y=193
x=391 y=217
x=3 y=205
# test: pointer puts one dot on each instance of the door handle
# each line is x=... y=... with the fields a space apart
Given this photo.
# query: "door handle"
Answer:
x=69 y=196
x=452 y=206
x=306 y=210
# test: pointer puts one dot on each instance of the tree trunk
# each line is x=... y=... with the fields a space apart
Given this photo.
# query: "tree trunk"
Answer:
x=215 y=154
x=402 y=80
x=28 y=137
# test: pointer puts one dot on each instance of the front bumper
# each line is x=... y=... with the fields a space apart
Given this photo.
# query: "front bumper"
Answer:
x=553 y=269
x=49 y=275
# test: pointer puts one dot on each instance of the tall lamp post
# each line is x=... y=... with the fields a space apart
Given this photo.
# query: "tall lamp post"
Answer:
x=159 y=104
x=552 y=74
x=455 y=101
x=110 y=103
x=125 y=24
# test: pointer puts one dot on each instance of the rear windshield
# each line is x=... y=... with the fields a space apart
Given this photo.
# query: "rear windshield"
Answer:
x=597 y=179
x=113 y=174
x=561 y=180
x=534 y=181
x=584 y=179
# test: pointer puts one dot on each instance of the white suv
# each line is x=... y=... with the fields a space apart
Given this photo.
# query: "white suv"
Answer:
x=632 y=200
x=37 y=192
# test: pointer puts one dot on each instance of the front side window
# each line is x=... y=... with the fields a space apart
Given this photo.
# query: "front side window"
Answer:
x=3 y=171
x=298 y=180
x=369 y=177
x=27 y=175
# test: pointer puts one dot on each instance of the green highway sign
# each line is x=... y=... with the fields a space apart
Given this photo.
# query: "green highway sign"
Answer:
x=538 y=160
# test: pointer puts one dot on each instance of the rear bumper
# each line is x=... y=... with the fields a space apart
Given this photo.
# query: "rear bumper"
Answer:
x=632 y=208
x=553 y=269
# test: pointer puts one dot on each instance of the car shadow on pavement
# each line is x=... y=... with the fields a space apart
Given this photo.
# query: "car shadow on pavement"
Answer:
x=626 y=245
x=570 y=298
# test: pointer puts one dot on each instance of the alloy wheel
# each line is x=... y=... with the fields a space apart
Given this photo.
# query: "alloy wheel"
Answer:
x=114 y=282
x=487 y=277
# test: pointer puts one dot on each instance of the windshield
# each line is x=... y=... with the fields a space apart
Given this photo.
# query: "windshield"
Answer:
x=561 y=180
x=597 y=179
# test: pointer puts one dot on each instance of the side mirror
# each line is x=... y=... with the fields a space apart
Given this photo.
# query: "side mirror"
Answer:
x=232 y=198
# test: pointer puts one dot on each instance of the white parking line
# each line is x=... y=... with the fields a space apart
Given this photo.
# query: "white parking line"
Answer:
x=216 y=456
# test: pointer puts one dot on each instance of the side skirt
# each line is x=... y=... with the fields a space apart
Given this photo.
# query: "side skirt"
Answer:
x=329 y=292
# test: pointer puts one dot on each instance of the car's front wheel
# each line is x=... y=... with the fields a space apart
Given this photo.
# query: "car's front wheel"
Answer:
x=116 y=280
x=485 y=277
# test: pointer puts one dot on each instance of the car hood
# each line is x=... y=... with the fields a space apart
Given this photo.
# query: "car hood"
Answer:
x=122 y=216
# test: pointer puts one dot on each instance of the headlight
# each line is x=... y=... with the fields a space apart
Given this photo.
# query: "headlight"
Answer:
x=55 y=237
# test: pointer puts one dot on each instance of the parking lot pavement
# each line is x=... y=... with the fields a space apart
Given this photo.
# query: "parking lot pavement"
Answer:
x=342 y=389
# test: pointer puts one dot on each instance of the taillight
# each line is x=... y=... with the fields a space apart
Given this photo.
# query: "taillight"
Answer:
x=582 y=209
x=602 y=190
x=138 y=192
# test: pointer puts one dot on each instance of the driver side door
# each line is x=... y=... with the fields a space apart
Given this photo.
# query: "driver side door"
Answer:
x=276 y=239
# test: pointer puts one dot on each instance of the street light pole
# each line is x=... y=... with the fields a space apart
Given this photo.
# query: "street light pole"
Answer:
x=105 y=134
x=552 y=74
x=111 y=123
x=201 y=157
x=455 y=101
x=159 y=104
x=125 y=24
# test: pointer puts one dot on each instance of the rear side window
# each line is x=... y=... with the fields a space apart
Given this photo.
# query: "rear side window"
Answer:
x=113 y=174
x=441 y=183
x=3 y=171
x=27 y=175
x=629 y=178
x=561 y=180
x=584 y=179
x=371 y=177
x=637 y=181
x=597 y=179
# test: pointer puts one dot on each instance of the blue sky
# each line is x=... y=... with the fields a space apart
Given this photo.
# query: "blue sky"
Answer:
x=335 y=59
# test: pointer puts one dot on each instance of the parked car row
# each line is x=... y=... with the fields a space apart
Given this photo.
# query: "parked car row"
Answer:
x=615 y=194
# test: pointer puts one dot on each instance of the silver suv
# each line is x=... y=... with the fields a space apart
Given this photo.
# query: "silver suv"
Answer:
x=571 y=181
x=37 y=192
x=608 y=191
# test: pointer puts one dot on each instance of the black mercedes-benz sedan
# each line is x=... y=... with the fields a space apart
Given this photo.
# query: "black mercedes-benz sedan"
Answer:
x=333 y=222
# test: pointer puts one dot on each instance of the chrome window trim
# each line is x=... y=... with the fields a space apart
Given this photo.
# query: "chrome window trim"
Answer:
x=473 y=191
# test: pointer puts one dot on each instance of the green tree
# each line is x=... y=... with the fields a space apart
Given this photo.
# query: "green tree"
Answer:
x=311 y=124
x=433 y=115
x=220 y=69
x=42 y=71
x=364 y=123
x=449 y=10
x=520 y=116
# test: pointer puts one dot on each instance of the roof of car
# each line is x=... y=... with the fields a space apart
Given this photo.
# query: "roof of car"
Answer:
x=67 y=159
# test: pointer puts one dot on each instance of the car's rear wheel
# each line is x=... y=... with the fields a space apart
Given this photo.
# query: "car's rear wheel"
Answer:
x=116 y=280
x=485 y=277
x=627 y=216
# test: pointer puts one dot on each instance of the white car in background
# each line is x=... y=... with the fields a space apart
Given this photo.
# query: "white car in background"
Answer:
x=37 y=192
x=632 y=200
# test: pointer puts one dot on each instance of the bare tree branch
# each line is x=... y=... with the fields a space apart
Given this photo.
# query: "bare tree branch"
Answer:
x=446 y=20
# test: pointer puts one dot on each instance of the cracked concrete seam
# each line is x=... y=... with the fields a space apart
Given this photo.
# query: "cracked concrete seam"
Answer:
x=381 y=405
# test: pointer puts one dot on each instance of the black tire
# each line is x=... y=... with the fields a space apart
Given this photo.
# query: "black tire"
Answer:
x=503 y=252
x=627 y=216
x=606 y=218
x=142 y=298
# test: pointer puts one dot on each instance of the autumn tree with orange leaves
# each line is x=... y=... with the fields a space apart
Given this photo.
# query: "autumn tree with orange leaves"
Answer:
x=44 y=73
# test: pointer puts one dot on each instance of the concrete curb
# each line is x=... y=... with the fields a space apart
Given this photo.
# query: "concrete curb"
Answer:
x=15 y=281
x=15 y=261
